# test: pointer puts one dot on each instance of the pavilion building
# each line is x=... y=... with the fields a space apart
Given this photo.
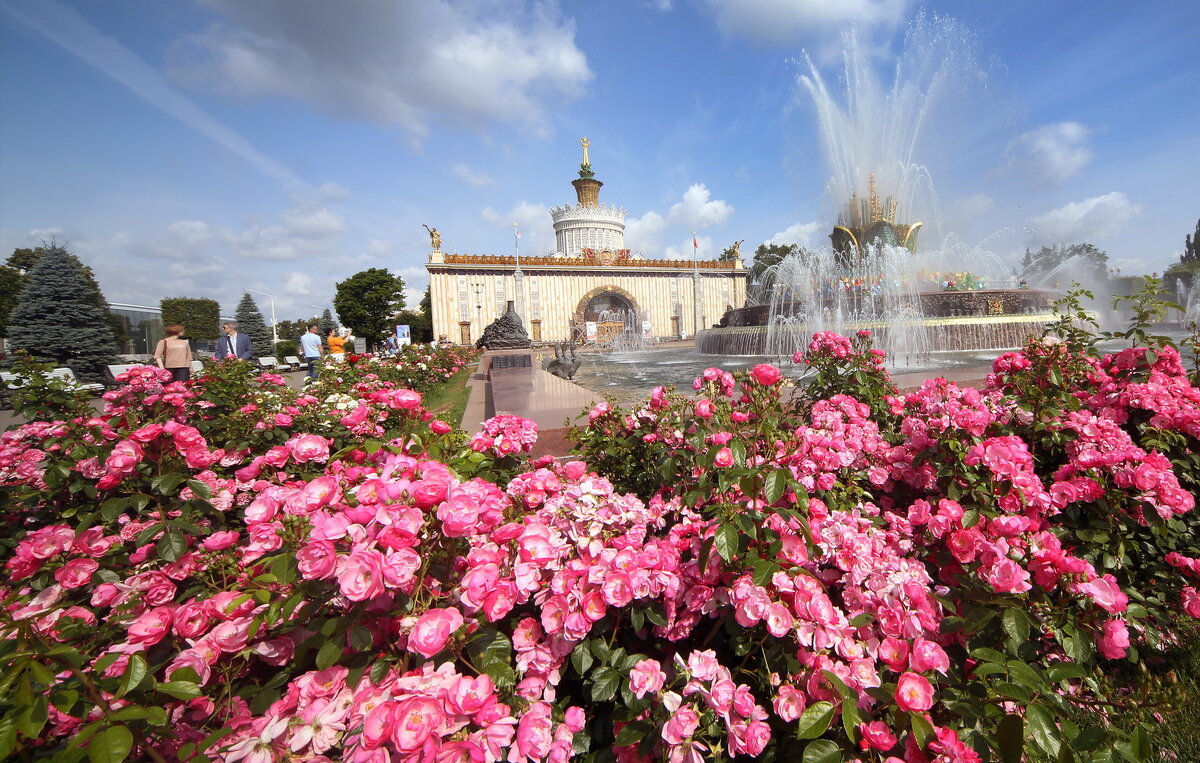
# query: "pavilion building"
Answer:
x=592 y=289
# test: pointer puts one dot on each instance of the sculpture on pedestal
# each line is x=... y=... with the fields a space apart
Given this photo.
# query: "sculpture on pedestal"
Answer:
x=435 y=238
x=505 y=333
x=565 y=362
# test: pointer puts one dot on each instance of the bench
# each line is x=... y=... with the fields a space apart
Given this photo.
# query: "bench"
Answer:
x=268 y=363
x=116 y=370
x=294 y=362
x=61 y=373
x=197 y=366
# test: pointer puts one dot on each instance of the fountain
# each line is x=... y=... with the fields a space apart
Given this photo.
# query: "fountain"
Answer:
x=869 y=276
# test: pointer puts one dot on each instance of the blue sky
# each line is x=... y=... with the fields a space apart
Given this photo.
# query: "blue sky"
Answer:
x=204 y=147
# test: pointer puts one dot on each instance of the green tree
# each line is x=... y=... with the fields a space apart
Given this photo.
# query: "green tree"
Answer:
x=250 y=321
x=326 y=323
x=25 y=259
x=418 y=324
x=760 y=278
x=11 y=283
x=57 y=320
x=291 y=331
x=1064 y=263
x=201 y=317
x=1191 y=246
x=368 y=302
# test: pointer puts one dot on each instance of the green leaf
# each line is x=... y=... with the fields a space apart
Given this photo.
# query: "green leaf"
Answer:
x=814 y=721
x=1010 y=738
x=1042 y=728
x=135 y=671
x=1064 y=671
x=329 y=653
x=605 y=682
x=1025 y=675
x=31 y=720
x=8 y=737
x=113 y=508
x=491 y=651
x=581 y=659
x=632 y=733
x=167 y=484
x=201 y=489
x=1016 y=624
x=921 y=728
x=180 y=689
x=727 y=540
x=989 y=655
x=822 y=751
x=1090 y=738
x=361 y=638
x=1012 y=691
x=111 y=745
x=776 y=485
x=171 y=546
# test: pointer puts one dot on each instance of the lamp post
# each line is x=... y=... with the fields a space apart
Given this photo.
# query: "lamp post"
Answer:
x=518 y=285
x=479 y=305
x=274 y=330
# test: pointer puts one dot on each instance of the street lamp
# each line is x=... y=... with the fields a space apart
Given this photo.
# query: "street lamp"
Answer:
x=274 y=329
x=479 y=305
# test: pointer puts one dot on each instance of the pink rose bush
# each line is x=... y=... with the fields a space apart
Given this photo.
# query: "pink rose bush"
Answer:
x=839 y=571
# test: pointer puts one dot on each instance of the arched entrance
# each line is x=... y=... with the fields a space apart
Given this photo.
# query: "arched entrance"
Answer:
x=606 y=312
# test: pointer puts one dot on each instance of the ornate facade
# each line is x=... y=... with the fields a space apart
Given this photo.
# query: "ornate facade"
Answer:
x=590 y=290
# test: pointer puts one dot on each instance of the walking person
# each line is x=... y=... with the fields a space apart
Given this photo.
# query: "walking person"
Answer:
x=174 y=353
x=233 y=344
x=310 y=346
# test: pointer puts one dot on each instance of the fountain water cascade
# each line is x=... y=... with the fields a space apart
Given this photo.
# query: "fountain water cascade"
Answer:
x=871 y=277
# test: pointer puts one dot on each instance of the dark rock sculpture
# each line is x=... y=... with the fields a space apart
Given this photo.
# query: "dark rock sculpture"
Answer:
x=505 y=333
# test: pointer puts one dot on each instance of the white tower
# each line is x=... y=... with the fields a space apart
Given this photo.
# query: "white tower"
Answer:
x=588 y=224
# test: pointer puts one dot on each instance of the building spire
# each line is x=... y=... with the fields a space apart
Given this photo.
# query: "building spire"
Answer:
x=585 y=167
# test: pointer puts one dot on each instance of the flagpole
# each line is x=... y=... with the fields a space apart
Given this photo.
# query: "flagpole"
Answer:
x=695 y=287
x=518 y=286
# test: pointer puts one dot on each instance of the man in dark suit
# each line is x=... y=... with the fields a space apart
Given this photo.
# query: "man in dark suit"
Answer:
x=233 y=344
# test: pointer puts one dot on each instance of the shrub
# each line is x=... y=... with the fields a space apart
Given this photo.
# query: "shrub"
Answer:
x=230 y=567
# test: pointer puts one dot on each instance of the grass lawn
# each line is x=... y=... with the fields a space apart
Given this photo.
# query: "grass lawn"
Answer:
x=448 y=401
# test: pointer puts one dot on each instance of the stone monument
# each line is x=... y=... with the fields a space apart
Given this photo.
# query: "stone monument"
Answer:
x=505 y=333
x=565 y=362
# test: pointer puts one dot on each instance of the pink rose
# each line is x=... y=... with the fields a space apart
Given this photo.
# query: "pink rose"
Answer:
x=308 y=447
x=76 y=573
x=876 y=736
x=221 y=540
x=437 y=426
x=232 y=635
x=1113 y=641
x=533 y=732
x=433 y=629
x=191 y=620
x=1006 y=576
x=646 y=677
x=360 y=574
x=724 y=458
x=682 y=724
x=914 y=693
x=1106 y=593
x=766 y=374
x=1190 y=598
x=417 y=719
x=894 y=652
x=704 y=408
x=151 y=626
x=926 y=655
x=789 y=703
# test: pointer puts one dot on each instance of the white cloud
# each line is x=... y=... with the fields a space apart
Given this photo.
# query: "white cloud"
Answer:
x=297 y=284
x=537 y=235
x=1050 y=154
x=686 y=251
x=641 y=233
x=1091 y=220
x=783 y=21
x=473 y=178
x=698 y=210
x=800 y=233
x=403 y=64
x=314 y=223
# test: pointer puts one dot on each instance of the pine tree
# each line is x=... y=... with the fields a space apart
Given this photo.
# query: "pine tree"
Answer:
x=326 y=324
x=1191 y=246
x=57 y=320
x=250 y=322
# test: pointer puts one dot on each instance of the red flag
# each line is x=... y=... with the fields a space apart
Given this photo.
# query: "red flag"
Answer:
x=695 y=243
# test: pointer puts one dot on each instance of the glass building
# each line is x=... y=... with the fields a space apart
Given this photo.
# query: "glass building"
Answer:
x=141 y=326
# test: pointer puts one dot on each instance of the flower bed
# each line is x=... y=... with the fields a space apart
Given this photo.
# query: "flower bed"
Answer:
x=233 y=570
